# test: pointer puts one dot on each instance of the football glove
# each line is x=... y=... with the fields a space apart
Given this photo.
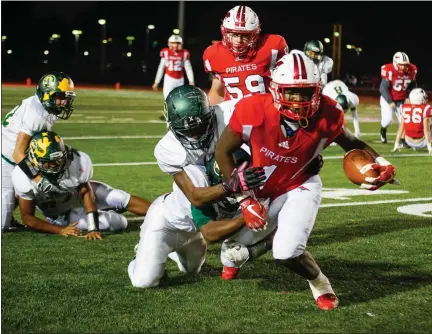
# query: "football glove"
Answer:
x=254 y=214
x=387 y=173
x=244 y=179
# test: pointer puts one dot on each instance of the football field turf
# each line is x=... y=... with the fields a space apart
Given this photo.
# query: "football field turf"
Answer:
x=375 y=247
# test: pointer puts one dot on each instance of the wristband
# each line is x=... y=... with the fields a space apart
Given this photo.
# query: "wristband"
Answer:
x=93 y=221
x=28 y=168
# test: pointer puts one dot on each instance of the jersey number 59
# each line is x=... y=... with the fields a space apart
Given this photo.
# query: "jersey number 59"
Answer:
x=254 y=84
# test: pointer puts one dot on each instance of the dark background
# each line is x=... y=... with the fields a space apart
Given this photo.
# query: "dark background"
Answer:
x=379 y=28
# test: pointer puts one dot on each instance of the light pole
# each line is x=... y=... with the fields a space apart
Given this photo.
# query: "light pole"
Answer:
x=102 y=23
x=77 y=34
x=149 y=27
x=181 y=18
x=130 y=40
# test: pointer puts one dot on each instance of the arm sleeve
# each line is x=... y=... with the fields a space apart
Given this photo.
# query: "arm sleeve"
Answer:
x=160 y=71
x=170 y=155
x=189 y=71
x=202 y=216
x=385 y=91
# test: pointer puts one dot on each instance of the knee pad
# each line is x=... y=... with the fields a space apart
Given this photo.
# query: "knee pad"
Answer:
x=142 y=282
x=112 y=221
x=288 y=251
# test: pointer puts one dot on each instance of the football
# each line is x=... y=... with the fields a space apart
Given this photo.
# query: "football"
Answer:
x=354 y=161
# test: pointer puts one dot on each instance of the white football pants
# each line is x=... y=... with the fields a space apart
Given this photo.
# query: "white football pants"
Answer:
x=295 y=213
x=158 y=240
x=170 y=83
x=8 y=194
x=387 y=112
x=106 y=198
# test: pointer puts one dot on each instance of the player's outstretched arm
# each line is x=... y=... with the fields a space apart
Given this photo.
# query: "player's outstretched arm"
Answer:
x=27 y=210
x=397 y=145
x=198 y=196
x=220 y=229
x=228 y=143
x=90 y=207
x=427 y=132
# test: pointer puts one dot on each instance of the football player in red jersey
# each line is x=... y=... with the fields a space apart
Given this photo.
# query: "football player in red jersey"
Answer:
x=173 y=60
x=241 y=62
x=398 y=79
x=286 y=130
x=416 y=122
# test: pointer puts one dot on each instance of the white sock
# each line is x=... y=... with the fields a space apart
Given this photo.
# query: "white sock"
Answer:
x=320 y=286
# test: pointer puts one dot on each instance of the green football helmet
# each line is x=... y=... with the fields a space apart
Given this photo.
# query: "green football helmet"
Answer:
x=343 y=101
x=48 y=154
x=190 y=117
x=56 y=85
x=314 y=49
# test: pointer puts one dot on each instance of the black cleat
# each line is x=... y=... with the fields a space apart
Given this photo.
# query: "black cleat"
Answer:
x=384 y=135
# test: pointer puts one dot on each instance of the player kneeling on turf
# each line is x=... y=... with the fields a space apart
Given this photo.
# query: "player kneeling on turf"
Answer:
x=416 y=122
x=78 y=206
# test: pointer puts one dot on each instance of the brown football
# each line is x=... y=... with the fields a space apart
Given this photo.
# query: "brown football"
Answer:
x=353 y=162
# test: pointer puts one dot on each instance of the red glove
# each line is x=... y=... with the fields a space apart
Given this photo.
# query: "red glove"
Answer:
x=254 y=213
x=387 y=173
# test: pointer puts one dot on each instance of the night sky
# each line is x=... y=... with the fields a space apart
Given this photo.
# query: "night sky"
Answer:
x=379 y=28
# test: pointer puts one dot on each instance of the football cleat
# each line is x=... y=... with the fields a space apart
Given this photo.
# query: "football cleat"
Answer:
x=229 y=273
x=384 y=135
x=327 y=302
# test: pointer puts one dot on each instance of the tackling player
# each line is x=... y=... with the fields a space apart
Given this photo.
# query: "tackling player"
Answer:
x=79 y=202
x=337 y=90
x=286 y=130
x=241 y=62
x=416 y=122
x=53 y=100
x=173 y=60
x=398 y=79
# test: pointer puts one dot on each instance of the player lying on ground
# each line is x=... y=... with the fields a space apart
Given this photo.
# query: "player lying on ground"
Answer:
x=286 y=130
x=416 y=122
x=81 y=204
x=53 y=100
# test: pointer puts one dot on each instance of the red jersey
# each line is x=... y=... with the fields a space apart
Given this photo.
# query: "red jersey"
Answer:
x=242 y=78
x=285 y=159
x=399 y=82
x=174 y=62
x=413 y=116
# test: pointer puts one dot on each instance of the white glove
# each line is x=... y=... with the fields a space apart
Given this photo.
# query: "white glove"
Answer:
x=397 y=147
x=429 y=147
x=235 y=253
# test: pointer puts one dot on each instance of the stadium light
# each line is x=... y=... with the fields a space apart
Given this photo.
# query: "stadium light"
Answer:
x=130 y=39
x=4 y=38
x=45 y=61
x=9 y=52
x=86 y=53
x=327 y=40
x=349 y=46
x=359 y=49
x=46 y=52
x=105 y=41
x=336 y=34
x=55 y=36
x=76 y=32
x=129 y=54
x=150 y=27
x=101 y=21
x=176 y=31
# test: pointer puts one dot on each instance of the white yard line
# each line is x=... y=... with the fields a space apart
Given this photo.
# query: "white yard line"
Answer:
x=419 y=199
x=110 y=137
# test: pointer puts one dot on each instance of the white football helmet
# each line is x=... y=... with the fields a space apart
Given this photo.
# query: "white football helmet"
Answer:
x=401 y=62
x=240 y=20
x=296 y=86
x=175 y=42
x=418 y=96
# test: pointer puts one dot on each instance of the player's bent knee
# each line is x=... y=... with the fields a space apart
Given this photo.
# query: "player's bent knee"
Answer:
x=117 y=199
x=288 y=251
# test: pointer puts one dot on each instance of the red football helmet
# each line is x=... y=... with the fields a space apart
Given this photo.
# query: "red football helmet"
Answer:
x=296 y=86
x=401 y=62
x=240 y=31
